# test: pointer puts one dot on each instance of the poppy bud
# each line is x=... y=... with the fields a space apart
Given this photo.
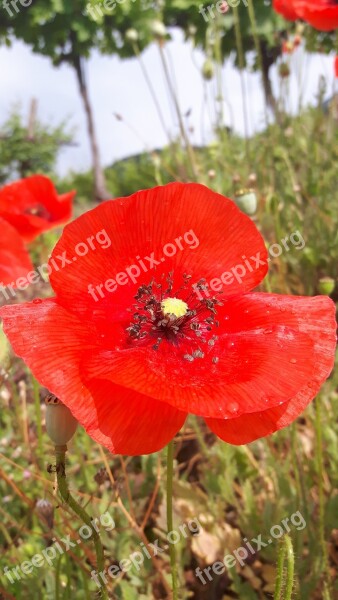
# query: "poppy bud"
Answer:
x=158 y=29
x=326 y=286
x=208 y=70
x=246 y=201
x=60 y=423
x=131 y=35
x=45 y=510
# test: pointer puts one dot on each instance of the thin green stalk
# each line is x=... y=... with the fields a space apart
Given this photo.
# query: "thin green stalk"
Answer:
x=280 y=571
x=185 y=138
x=60 y=455
x=58 y=579
x=258 y=48
x=285 y=576
x=170 y=522
x=320 y=472
x=37 y=407
x=290 y=568
x=151 y=89
x=241 y=64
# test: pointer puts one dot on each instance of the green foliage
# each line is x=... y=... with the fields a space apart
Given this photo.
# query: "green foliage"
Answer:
x=23 y=153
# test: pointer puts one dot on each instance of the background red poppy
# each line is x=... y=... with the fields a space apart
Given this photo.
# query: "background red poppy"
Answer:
x=321 y=14
x=33 y=206
x=286 y=9
x=14 y=258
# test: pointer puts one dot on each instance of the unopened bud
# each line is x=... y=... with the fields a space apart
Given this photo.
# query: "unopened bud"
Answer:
x=326 y=286
x=131 y=35
x=158 y=29
x=45 y=510
x=246 y=201
x=208 y=70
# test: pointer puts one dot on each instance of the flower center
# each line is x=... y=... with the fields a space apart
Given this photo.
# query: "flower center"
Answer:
x=174 y=306
x=38 y=211
x=161 y=315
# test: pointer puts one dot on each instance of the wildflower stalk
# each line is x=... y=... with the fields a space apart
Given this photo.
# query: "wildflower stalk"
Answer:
x=257 y=44
x=320 y=472
x=241 y=64
x=60 y=456
x=285 y=577
x=38 y=419
x=170 y=523
x=184 y=135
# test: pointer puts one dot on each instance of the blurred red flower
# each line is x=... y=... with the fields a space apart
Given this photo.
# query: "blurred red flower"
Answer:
x=321 y=14
x=336 y=66
x=14 y=258
x=135 y=339
x=285 y=8
x=33 y=206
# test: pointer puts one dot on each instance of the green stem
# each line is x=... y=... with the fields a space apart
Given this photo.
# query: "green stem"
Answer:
x=258 y=48
x=290 y=566
x=60 y=455
x=184 y=135
x=170 y=523
x=320 y=471
x=285 y=579
x=241 y=64
x=280 y=570
x=38 y=420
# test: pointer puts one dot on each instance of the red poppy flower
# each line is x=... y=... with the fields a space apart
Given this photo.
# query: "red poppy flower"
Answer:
x=157 y=322
x=286 y=9
x=14 y=258
x=336 y=66
x=321 y=14
x=32 y=206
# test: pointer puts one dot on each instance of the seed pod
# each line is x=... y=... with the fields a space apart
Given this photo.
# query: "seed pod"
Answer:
x=158 y=29
x=208 y=70
x=131 y=35
x=60 y=423
x=326 y=285
x=246 y=201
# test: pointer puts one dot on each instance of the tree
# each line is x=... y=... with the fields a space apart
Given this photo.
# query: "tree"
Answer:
x=62 y=31
x=29 y=148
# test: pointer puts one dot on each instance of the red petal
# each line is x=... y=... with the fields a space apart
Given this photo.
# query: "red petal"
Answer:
x=267 y=355
x=286 y=9
x=18 y=201
x=14 y=258
x=316 y=316
x=135 y=423
x=51 y=341
x=212 y=232
x=321 y=14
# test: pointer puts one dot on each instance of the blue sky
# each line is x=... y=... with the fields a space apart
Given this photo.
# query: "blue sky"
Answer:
x=119 y=87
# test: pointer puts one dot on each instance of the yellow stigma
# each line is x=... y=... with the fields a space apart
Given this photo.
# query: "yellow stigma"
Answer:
x=174 y=306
